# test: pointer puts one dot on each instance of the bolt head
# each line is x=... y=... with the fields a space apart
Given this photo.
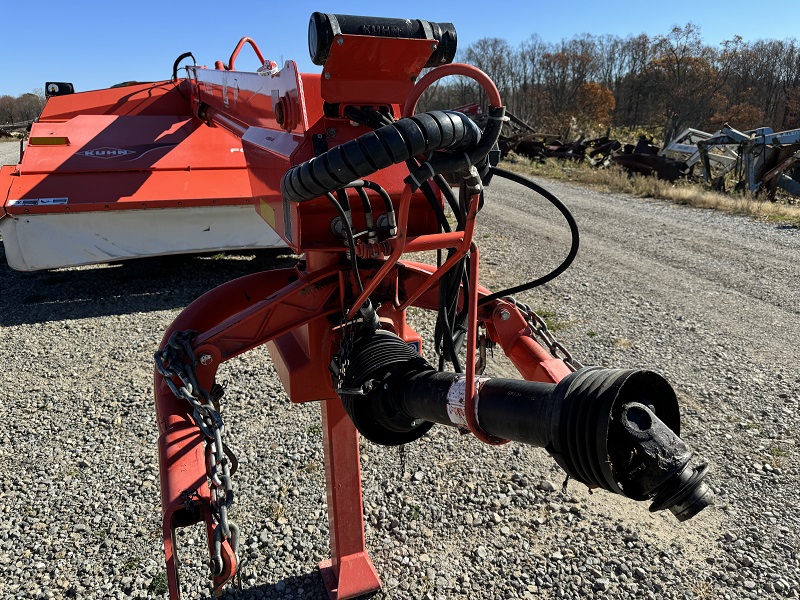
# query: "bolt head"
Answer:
x=205 y=359
x=340 y=41
x=327 y=75
x=337 y=228
x=504 y=315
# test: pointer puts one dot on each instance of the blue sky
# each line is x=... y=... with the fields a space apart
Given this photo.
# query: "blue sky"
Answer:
x=97 y=44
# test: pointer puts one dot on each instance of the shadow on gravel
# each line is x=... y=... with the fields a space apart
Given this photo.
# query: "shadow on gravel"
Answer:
x=141 y=285
x=311 y=584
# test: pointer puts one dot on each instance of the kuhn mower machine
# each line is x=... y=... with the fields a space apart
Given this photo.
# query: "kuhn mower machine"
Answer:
x=346 y=172
x=123 y=173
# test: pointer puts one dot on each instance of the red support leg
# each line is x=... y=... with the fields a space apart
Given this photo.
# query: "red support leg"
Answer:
x=349 y=573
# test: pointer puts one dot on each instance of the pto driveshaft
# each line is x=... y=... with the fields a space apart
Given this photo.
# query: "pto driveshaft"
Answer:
x=609 y=428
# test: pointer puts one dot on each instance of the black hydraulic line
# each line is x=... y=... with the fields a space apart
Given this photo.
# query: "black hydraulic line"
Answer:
x=387 y=200
x=365 y=204
x=178 y=61
x=445 y=321
x=344 y=199
x=573 y=226
x=427 y=191
x=449 y=330
x=174 y=79
x=378 y=116
x=359 y=115
x=361 y=184
x=448 y=194
x=348 y=230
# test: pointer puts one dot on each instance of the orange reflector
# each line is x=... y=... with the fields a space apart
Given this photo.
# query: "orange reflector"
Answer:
x=49 y=141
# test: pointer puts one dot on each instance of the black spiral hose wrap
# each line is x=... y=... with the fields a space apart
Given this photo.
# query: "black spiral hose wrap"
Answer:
x=394 y=144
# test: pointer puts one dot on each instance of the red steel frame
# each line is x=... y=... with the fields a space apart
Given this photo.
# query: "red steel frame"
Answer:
x=231 y=321
x=296 y=313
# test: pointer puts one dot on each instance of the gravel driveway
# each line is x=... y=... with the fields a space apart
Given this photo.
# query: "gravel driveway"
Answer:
x=9 y=152
x=709 y=300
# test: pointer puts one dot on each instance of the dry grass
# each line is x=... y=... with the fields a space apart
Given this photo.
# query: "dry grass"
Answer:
x=614 y=179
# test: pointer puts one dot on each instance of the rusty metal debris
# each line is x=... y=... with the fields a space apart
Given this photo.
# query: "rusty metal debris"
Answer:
x=760 y=160
x=644 y=158
x=7 y=129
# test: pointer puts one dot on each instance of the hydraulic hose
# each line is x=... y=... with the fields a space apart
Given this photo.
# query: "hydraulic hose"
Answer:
x=573 y=228
x=388 y=145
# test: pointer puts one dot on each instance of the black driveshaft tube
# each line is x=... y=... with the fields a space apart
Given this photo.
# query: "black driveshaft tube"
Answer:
x=324 y=27
x=609 y=428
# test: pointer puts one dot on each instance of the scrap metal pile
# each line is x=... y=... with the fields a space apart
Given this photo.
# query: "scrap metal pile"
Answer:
x=759 y=161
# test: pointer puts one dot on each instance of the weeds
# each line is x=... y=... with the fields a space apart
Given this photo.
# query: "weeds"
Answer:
x=779 y=457
x=158 y=585
x=551 y=319
x=703 y=590
x=309 y=468
x=778 y=452
x=277 y=510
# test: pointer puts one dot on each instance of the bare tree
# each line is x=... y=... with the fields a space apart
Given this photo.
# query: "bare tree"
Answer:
x=28 y=106
x=7 y=109
x=673 y=80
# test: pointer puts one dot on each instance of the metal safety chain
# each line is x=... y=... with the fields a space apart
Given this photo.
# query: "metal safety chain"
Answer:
x=220 y=461
x=540 y=330
x=341 y=361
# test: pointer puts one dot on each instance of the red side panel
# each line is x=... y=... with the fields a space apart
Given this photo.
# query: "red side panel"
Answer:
x=158 y=98
x=128 y=157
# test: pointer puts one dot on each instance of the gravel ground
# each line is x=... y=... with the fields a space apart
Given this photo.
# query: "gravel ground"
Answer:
x=9 y=152
x=710 y=300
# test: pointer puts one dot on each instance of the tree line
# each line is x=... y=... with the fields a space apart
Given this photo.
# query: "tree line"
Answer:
x=588 y=83
x=662 y=84
x=24 y=107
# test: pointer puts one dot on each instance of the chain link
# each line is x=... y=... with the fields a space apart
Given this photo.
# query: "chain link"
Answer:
x=342 y=359
x=540 y=330
x=171 y=362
